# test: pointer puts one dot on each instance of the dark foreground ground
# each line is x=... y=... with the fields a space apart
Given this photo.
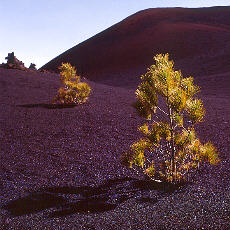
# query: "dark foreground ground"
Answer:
x=59 y=166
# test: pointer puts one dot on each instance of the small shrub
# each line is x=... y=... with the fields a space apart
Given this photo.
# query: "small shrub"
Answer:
x=169 y=150
x=32 y=66
x=74 y=91
x=13 y=62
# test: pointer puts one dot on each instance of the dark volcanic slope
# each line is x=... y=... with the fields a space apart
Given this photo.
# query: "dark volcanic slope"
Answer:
x=59 y=167
x=198 y=40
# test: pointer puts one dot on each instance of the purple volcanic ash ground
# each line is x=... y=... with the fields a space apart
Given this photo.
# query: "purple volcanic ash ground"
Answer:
x=59 y=166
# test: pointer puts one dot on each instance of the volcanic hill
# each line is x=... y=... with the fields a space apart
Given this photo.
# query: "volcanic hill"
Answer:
x=198 y=40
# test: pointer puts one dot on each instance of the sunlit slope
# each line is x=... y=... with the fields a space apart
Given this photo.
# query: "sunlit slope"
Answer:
x=198 y=40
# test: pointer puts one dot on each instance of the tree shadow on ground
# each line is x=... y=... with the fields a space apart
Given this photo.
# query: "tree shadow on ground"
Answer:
x=88 y=199
x=48 y=106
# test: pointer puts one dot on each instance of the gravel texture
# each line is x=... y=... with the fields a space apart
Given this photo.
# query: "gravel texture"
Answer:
x=60 y=169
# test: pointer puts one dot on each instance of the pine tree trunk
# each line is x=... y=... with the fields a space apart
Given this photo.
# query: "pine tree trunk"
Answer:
x=173 y=166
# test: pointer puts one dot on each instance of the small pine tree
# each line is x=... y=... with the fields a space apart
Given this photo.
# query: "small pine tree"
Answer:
x=74 y=91
x=169 y=150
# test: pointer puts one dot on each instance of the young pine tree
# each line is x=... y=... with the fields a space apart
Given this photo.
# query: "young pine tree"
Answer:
x=169 y=150
x=74 y=91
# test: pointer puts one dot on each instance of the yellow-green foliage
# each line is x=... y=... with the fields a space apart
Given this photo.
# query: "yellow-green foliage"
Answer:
x=74 y=91
x=170 y=149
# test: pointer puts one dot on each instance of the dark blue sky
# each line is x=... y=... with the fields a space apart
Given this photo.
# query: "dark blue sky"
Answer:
x=38 y=31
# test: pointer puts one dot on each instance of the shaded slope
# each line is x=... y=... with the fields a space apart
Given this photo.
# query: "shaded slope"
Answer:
x=198 y=40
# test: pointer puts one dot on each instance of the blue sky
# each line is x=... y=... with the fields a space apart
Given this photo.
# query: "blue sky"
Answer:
x=38 y=31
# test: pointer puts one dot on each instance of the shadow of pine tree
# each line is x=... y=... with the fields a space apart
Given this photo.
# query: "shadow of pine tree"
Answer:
x=48 y=106
x=85 y=199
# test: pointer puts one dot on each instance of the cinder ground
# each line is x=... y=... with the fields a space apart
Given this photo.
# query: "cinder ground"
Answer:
x=60 y=166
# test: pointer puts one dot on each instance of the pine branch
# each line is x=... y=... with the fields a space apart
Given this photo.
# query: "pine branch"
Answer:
x=160 y=118
x=189 y=132
x=162 y=111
